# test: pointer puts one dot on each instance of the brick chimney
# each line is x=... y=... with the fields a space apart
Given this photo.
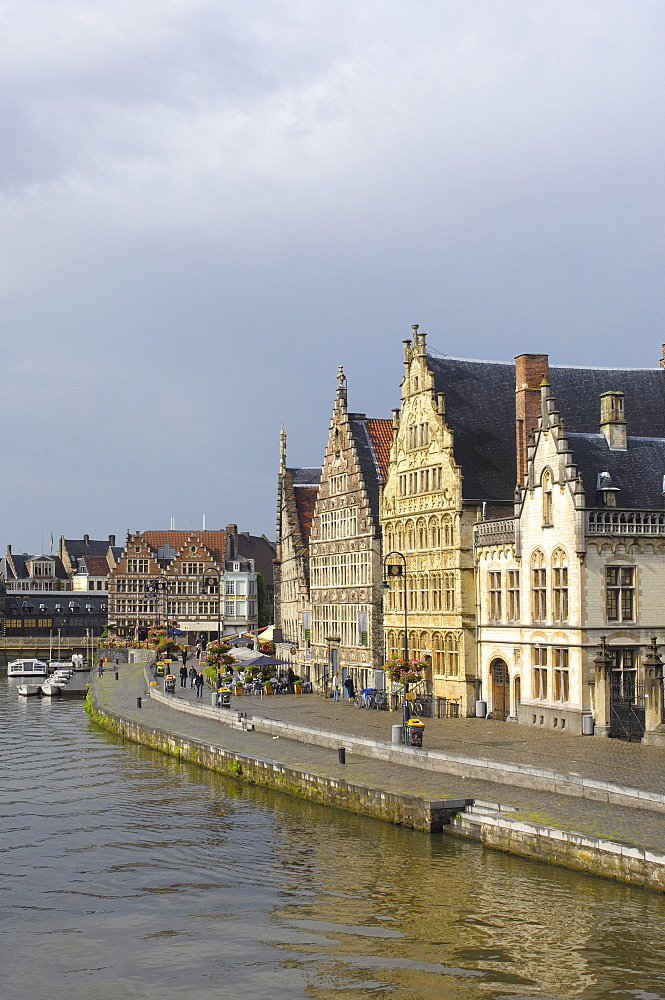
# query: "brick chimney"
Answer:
x=530 y=369
x=231 y=532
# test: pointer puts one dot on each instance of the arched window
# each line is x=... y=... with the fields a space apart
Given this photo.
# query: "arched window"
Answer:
x=447 y=531
x=434 y=532
x=410 y=536
x=546 y=484
x=559 y=586
x=422 y=534
x=449 y=591
x=538 y=587
x=437 y=650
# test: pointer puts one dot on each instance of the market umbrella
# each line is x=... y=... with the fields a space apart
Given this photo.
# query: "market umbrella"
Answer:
x=265 y=661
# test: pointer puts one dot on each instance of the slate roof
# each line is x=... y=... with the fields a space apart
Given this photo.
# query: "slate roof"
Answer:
x=480 y=409
x=305 y=477
x=20 y=568
x=78 y=547
x=81 y=599
x=577 y=392
x=637 y=473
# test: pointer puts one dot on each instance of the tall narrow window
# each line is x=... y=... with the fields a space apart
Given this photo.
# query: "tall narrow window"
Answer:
x=539 y=673
x=513 y=594
x=449 y=591
x=451 y=654
x=560 y=675
x=494 y=589
x=546 y=483
x=559 y=586
x=538 y=588
x=620 y=593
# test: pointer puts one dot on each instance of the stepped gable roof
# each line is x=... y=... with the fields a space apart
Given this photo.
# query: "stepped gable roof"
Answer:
x=305 y=477
x=637 y=472
x=305 y=498
x=369 y=467
x=380 y=433
x=261 y=550
x=577 y=392
x=480 y=409
x=213 y=540
x=94 y=565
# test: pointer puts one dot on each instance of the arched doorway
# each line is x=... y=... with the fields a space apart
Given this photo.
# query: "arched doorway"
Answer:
x=517 y=694
x=500 y=690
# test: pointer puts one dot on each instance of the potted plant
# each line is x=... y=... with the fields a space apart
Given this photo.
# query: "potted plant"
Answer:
x=297 y=685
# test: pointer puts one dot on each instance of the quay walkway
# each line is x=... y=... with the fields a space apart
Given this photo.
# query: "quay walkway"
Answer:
x=613 y=837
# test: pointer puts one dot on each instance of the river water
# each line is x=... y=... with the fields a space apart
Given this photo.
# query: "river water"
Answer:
x=127 y=874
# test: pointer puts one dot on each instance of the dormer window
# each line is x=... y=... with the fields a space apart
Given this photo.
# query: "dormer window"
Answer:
x=607 y=490
x=546 y=483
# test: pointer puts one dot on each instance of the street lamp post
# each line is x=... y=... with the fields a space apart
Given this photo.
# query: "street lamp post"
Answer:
x=394 y=570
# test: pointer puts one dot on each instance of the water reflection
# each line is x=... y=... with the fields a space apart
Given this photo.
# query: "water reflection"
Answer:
x=133 y=875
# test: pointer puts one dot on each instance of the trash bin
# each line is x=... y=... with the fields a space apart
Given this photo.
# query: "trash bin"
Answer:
x=398 y=733
x=588 y=724
x=414 y=730
x=224 y=697
x=481 y=709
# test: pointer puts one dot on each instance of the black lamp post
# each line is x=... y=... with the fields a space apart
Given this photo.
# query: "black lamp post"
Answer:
x=394 y=570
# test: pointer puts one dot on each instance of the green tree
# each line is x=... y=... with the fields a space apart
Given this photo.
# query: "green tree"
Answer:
x=263 y=608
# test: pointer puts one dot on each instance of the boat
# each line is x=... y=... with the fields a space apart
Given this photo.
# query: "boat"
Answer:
x=61 y=666
x=27 y=668
x=52 y=688
x=29 y=689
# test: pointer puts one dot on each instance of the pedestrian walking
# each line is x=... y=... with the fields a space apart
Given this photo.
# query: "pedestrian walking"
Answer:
x=199 y=684
x=335 y=687
x=184 y=657
x=183 y=676
x=192 y=676
x=100 y=668
x=350 y=690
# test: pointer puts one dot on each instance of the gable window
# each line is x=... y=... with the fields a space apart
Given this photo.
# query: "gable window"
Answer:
x=494 y=588
x=559 y=587
x=538 y=588
x=620 y=593
x=513 y=594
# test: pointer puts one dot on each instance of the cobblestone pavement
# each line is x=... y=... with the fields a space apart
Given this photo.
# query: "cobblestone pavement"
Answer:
x=620 y=823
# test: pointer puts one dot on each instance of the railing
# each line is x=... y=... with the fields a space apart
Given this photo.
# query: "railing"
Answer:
x=625 y=522
x=501 y=531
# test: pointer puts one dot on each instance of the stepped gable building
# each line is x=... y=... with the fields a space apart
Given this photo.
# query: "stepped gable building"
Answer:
x=571 y=587
x=345 y=549
x=296 y=496
x=199 y=579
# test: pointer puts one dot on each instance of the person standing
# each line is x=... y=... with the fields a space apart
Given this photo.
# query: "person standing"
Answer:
x=184 y=657
x=199 y=684
x=183 y=676
x=335 y=687
x=192 y=676
x=350 y=690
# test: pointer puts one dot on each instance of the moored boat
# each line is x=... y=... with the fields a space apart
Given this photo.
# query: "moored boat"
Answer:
x=27 y=668
x=52 y=689
x=29 y=689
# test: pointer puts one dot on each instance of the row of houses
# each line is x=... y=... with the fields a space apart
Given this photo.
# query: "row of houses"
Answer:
x=202 y=582
x=506 y=527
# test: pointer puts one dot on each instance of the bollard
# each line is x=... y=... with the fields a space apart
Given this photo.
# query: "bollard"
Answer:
x=342 y=755
x=117 y=675
x=138 y=702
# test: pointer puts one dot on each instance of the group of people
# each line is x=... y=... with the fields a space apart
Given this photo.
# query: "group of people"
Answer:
x=196 y=678
x=348 y=684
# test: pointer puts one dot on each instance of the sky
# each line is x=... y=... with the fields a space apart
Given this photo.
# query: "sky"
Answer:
x=207 y=206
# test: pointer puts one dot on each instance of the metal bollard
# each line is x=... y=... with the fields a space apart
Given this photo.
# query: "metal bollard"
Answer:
x=117 y=675
x=138 y=702
x=342 y=755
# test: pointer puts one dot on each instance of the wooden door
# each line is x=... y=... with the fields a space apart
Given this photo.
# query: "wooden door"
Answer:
x=500 y=691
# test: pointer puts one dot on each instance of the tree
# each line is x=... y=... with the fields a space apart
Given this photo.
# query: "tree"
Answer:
x=263 y=609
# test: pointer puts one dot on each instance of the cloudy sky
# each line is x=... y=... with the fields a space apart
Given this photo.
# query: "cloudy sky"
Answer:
x=207 y=205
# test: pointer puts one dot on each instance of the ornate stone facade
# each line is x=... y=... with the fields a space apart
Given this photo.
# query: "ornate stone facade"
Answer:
x=345 y=550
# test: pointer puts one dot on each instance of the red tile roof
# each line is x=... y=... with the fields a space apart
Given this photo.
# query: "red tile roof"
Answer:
x=305 y=497
x=213 y=540
x=95 y=565
x=381 y=435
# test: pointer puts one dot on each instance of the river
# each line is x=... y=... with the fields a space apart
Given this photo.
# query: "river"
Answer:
x=126 y=874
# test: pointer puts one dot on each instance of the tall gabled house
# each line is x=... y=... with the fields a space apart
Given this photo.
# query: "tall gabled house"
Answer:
x=296 y=496
x=345 y=549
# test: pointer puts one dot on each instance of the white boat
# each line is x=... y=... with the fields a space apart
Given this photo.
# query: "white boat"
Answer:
x=27 y=668
x=52 y=688
x=29 y=689
x=61 y=665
